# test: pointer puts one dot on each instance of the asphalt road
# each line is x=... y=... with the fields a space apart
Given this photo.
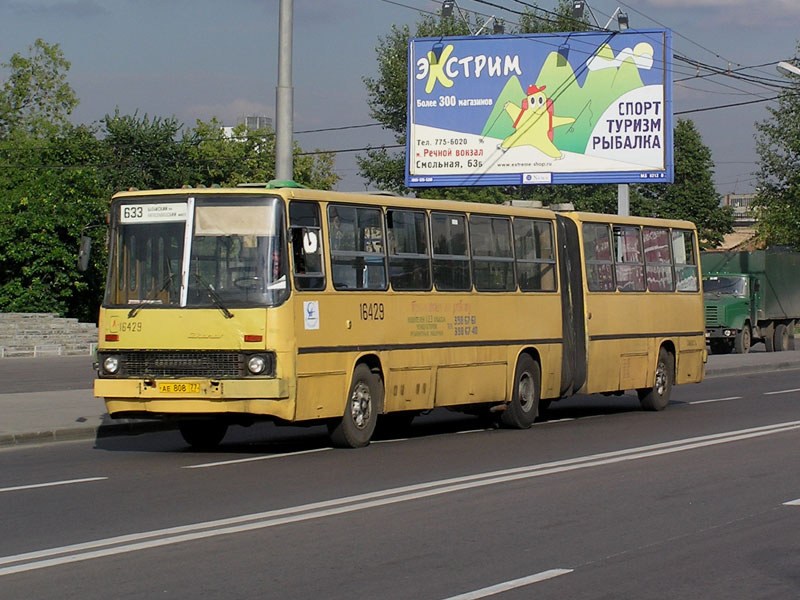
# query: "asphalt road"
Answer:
x=598 y=500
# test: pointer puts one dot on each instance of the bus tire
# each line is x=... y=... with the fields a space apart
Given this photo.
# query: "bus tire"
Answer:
x=657 y=397
x=355 y=428
x=781 y=340
x=205 y=434
x=521 y=412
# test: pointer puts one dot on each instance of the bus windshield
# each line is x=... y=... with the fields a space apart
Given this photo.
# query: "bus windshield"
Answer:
x=725 y=286
x=209 y=252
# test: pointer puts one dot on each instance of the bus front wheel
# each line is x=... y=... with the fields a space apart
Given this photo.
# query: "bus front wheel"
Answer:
x=657 y=397
x=357 y=425
x=524 y=406
x=203 y=434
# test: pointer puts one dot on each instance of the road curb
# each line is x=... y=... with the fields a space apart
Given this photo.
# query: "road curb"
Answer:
x=72 y=434
x=751 y=369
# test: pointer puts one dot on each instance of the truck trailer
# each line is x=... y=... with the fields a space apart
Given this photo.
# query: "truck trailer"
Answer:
x=751 y=297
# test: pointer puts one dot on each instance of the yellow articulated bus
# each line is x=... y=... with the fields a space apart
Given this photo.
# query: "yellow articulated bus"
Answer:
x=228 y=306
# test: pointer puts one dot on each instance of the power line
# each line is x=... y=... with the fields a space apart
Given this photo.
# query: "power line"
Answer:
x=694 y=110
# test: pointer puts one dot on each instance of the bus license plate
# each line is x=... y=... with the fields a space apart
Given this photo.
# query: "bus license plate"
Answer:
x=179 y=388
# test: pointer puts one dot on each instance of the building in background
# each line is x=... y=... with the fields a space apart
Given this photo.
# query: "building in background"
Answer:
x=744 y=220
x=742 y=213
x=251 y=122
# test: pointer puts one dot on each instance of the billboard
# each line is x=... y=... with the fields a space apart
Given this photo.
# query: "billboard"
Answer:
x=589 y=107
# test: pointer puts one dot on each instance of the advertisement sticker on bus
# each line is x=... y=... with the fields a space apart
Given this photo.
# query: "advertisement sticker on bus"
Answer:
x=588 y=107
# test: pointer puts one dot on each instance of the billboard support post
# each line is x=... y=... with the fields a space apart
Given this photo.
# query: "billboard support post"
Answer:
x=623 y=199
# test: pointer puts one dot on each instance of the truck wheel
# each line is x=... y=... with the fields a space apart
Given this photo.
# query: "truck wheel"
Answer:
x=364 y=401
x=781 y=340
x=657 y=397
x=742 y=343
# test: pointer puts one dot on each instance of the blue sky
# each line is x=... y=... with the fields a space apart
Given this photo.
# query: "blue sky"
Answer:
x=196 y=59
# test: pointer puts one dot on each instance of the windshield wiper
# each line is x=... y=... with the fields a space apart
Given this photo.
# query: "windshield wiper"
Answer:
x=151 y=297
x=214 y=296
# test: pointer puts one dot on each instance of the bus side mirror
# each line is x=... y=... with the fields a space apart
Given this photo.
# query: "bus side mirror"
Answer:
x=84 y=253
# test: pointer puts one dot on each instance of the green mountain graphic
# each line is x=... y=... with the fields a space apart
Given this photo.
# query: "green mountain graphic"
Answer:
x=499 y=125
x=583 y=103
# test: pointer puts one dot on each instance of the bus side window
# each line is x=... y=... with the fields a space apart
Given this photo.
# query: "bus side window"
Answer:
x=492 y=258
x=657 y=260
x=685 y=260
x=409 y=258
x=358 y=259
x=306 y=240
x=536 y=262
x=629 y=258
x=597 y=254
x=450 y=258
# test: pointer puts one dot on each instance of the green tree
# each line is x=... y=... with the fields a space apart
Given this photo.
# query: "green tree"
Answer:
x=778 y=179
x=36 y=98
x=692 y=195
x=145 y=153
x=51 y=193
x=249 y=156
x=388 y=98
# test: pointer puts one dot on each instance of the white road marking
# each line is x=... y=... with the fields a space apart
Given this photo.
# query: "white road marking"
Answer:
x=49 y=557
x=50 y=484
x=716 y=400
x=510 y=585
x=782 y=392
x=254 y=458
x=792 y=503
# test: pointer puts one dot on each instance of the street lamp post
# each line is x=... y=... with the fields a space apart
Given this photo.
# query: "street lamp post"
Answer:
x=284 y=111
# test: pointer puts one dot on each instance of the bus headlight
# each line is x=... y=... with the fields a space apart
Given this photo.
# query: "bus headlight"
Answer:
x=256 y=364
x=111 y=365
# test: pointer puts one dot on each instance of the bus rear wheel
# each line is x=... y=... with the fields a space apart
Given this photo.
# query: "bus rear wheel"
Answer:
x=203 y=434
x=524 y=406
x=657 y=397
x=357 y=425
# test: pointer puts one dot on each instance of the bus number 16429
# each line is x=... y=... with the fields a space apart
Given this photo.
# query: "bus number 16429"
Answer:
x=372 y=311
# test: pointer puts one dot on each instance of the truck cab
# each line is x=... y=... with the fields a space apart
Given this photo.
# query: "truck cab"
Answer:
x=732 y=302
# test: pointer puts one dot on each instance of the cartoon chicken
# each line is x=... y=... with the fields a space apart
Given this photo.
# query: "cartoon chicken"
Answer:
x=534 y=123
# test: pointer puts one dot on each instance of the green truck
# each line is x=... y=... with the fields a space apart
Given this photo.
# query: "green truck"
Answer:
x=751 y=297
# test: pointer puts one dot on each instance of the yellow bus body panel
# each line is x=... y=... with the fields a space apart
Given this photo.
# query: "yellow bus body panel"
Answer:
x=624 y=330
x=200 y=329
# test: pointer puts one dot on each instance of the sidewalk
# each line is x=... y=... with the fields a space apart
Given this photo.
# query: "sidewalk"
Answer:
x=38 y=417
